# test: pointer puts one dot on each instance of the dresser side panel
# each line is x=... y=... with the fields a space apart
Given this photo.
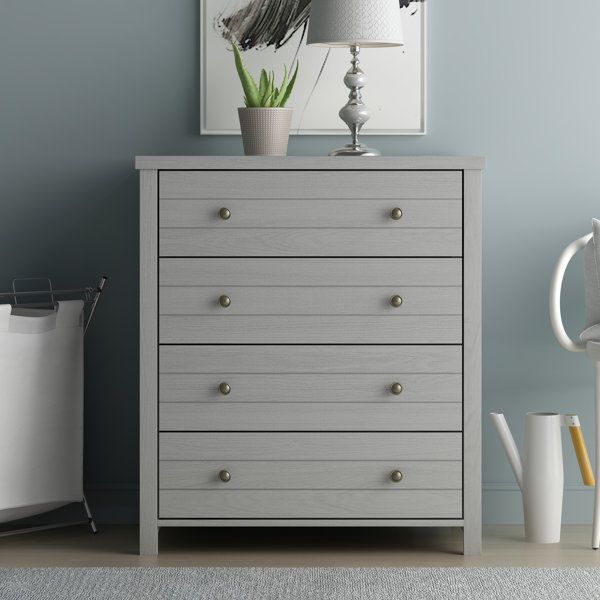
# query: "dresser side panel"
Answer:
x=472 y=361
x=148 y=362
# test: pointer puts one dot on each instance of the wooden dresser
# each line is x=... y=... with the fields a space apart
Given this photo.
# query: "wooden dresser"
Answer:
x=310 y=343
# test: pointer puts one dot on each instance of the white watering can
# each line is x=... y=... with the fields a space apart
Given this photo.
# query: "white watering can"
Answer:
x=540 y=475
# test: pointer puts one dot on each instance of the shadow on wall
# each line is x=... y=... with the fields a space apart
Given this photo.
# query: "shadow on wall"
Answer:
x=73 y=226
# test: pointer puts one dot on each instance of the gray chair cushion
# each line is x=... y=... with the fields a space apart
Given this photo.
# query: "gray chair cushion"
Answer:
x=592 y=286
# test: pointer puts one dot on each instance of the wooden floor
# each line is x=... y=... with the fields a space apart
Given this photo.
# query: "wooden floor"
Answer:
x=116 y=546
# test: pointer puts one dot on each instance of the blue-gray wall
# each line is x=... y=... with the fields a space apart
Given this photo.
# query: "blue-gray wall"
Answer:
x=85 y=85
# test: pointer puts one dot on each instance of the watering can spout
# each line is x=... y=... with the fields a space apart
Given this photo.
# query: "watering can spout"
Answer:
x=512 y=452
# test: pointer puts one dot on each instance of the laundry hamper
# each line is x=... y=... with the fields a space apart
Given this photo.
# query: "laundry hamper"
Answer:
x=41 y=408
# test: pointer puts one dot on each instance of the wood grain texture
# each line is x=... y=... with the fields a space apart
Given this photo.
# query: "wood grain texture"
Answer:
x=317 y=213
x=306 y=504
x=223 y=359
x=268 y=300
x=320 y=272
x=472 y=359
x=286 y=163
x=274 y=475
x=310 y=387
x=312 y=329
x=310 y=416
x=307 y=184
x=310 y=242
x=148 y=362
x=310 y=446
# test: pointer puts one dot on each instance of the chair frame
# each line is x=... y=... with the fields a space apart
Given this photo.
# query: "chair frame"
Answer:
x=592 y=350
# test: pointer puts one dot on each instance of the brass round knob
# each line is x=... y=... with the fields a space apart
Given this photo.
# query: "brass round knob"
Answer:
x=224 y=301
x=396 y=389
x=396 y=476
x=396 y=301
x=224 y=388
x=225 y=214
x=396 y=214
x=225 y=476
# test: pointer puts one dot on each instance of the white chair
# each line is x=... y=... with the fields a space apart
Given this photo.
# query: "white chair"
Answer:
x=589 y=341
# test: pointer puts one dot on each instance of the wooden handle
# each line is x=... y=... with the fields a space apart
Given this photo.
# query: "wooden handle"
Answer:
x=582 y=456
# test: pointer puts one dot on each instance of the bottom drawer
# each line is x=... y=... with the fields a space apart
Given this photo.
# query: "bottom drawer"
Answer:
x=310 y=475
x=310 y=504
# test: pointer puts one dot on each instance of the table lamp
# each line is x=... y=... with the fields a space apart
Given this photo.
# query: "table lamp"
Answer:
x=355 y=24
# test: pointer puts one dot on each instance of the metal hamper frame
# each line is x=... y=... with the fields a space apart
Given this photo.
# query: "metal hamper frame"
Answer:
x=91 y=296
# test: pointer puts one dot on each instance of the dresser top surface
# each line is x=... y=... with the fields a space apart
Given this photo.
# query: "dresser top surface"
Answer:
x=295 y=163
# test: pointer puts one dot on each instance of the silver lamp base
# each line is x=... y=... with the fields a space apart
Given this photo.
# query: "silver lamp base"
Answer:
x=355 y=150
x=354 y=113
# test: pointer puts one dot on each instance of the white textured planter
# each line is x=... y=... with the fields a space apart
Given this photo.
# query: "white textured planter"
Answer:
x=265 y=131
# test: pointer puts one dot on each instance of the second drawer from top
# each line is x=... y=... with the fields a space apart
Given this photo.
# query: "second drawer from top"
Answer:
x=244 y=300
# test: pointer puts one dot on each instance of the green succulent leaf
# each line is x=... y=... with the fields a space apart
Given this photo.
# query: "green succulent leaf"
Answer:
x=264 y=82
x=280 y=93
x=266 y=94
x=290 y=87
x=248 y=84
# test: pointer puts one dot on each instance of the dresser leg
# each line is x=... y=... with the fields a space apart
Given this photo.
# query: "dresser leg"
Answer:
x=472 y=539
x=148 y=540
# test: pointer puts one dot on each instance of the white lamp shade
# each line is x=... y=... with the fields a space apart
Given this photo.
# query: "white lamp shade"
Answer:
x=367 y=23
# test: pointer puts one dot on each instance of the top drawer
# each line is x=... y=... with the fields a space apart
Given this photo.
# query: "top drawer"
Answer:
x=310 y=184
x=310 y=213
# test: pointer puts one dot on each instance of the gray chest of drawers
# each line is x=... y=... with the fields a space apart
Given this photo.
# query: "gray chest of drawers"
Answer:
x=310 y=338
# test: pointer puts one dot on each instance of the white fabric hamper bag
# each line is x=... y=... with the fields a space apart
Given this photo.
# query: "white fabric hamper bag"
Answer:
x=41 y=409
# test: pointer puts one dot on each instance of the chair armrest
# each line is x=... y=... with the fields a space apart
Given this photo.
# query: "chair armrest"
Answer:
x=555 y=292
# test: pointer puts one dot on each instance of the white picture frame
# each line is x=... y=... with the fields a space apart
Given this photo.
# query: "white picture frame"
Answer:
x=398 y=104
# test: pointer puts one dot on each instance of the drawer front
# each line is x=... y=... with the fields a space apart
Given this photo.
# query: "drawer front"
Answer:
x=301 y=359
x=248 y=388
x=310 y=504
x=318 y=185
x=312 y=475
x=310 y=242
x=349 y=309
x=267 y=300
x=296 y=475
x=311 y=213
x=335 y=446
x=239 y=329
x=311 y=416
x=311 y=272
x=318 y=214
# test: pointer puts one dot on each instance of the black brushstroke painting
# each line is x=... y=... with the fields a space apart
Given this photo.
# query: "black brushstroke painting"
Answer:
x=263 y=23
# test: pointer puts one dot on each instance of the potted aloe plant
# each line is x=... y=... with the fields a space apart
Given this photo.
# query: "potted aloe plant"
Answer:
x=265 y=121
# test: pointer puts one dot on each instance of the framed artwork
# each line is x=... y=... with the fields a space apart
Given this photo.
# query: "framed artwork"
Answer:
x=396 y=89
